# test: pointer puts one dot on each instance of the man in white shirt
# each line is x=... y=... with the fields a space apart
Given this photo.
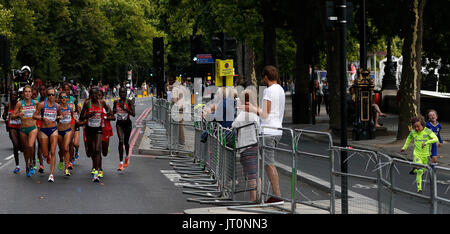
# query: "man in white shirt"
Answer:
x=271 y=115
x=178 y=97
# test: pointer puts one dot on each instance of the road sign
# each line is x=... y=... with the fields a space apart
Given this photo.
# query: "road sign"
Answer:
x=224 y=67
x=204 y=58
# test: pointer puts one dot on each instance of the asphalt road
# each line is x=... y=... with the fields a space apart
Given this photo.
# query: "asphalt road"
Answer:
x=140 y=188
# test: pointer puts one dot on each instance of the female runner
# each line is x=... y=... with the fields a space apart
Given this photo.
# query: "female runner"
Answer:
x=65 y=130
x=92 y=112
x=123 y=108
x=28 y=130
x=13 y=127
x=48 y=112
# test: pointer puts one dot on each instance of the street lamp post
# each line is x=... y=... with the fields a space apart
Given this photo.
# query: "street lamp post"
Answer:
x=363 y=38
x=342 y=6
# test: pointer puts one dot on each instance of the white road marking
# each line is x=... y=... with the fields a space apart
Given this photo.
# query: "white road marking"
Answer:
x=2 y=166
x=9 y=157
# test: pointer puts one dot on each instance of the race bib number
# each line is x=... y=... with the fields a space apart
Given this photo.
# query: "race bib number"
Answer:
x=50 y=114
x=122 y=116
x=28 y=111
x=95 y=121
x=67 y=118
x=14 y=121
x=121 y=113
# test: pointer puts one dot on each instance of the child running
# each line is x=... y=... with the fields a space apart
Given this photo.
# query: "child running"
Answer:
x=423 y=138
x=436 y=127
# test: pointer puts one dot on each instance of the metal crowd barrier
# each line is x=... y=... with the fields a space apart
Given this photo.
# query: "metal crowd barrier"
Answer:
x=175 y=129
x=228 y=181
x=324 y=158
x=433 y=179
x=213 y=172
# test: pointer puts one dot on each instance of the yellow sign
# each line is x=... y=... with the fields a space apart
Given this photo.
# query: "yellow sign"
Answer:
x=179 y=78
x=224 y=67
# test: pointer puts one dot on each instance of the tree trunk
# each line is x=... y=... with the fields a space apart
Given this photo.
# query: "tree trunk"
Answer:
x=411 y=73
x=249 y=64
x=301 y=101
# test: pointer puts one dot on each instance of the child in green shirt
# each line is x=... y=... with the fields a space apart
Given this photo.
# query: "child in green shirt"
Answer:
x=423 y=138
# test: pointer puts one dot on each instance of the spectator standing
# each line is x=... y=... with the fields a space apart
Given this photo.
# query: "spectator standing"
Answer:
x=271 y=115
x=318 y=96
x=178 y=98
x=325 y=94
x=353 y=73
x=246 y=140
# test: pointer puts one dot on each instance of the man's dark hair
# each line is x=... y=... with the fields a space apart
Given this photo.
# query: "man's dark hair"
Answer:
x=271 y=73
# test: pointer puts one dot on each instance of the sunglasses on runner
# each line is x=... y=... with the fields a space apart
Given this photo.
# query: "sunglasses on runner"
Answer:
x=63 y=96
x=50 y=94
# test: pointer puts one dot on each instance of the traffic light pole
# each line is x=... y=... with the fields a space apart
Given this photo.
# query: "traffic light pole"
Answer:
x=342 y=6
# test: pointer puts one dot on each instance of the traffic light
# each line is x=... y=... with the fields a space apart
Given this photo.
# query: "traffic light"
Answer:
x=229 y=47
x=196 y=47
x=217 y=45
x=158 y=58
x=150 y=73
x=5 y=58
x=158 y=64
x=223 y=47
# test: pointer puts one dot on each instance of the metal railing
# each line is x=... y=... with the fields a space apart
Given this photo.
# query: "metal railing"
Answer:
x=212 y=170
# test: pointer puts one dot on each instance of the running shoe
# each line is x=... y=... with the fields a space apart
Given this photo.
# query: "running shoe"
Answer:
x=27 y=172
x=16 y=170
x=67 y=172
x=70 y=166
x=51 y=178
x=95 y=178
x=126 y=161
x=93 y=171
x=120 y=167
x=100 y=173
x=41 y=169
x=60 y=166
x=32 y=170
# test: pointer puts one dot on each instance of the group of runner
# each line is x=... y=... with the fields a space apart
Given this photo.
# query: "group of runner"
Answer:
x=50 y=118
